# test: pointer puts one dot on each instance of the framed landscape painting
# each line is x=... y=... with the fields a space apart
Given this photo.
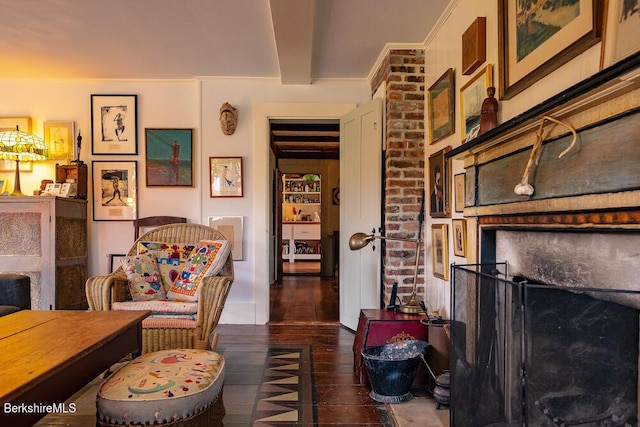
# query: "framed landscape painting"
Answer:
x=537 y=37
x=169 y=157
x=441 y=103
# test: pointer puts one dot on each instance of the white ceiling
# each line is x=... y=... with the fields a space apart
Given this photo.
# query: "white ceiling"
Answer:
x=294 y=40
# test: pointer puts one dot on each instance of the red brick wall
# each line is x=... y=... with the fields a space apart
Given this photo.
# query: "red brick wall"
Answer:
x=402 y=72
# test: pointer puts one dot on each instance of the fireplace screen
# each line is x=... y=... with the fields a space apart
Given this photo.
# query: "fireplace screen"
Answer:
x=534 y=354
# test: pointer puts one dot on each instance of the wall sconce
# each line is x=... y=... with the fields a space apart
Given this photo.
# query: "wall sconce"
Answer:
x=21 y=146
x=359 y=240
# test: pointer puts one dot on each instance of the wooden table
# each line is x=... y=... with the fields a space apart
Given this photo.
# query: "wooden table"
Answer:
x=46 y=356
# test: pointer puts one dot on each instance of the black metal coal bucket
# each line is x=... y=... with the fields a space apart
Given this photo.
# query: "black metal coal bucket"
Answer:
x=392 y=369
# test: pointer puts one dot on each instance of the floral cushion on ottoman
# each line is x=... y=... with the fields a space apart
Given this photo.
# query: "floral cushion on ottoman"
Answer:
x=161 y=387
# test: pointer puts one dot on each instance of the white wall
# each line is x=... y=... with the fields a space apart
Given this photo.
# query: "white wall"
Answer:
x=443 y=50
x=186 y=104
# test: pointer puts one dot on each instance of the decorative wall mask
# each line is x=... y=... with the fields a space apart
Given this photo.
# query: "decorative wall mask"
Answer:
x=228 y=118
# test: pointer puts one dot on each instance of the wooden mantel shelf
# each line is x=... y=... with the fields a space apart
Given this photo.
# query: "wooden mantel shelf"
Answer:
x=609 y=83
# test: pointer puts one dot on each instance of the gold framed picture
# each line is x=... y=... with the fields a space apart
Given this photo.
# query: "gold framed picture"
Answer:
x=459 y=237
x=58 y=135
x=441 y=102
x=440 y=251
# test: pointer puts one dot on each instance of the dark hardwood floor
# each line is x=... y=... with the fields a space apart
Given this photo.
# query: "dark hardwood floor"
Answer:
x=304 y=311
x=304 y=298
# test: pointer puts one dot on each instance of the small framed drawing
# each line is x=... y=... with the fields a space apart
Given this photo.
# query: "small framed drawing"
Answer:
x=169 y=157
x=231 y=228
x=472 y=95
x=114 y=127
x=459 y=237
x=114 y=190
x=440 y=251
x=58 y=135
x=441 y=103
x=622 y=32
x=439 y=205
x=458 y=192
x=474 y=46
x=225 y=176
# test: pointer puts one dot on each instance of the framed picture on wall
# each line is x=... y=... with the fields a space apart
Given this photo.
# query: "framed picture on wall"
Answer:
x=439 y=185
x=114 y=190
x=114 y=126
x=472 y=94
x=231 y=228
x=169 y=157
x=58 y=135
x=440 y=251
x=458 y=191
x=622 y=32
x=474 y=45
x=225 y=176
x=441 y=103
x=536 y=39
x=459 y=237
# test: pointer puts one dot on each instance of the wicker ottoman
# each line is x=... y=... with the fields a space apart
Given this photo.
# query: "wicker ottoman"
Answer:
x=168 y=388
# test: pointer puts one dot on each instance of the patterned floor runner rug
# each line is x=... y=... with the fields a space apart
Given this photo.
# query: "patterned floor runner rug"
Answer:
x=286 y=393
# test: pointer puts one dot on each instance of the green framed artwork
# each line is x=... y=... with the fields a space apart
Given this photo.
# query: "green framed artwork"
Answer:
x=169 y=157
x=441 y=103
x=536 y=38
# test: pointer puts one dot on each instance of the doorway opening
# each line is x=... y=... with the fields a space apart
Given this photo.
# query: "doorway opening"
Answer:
x=306 y=219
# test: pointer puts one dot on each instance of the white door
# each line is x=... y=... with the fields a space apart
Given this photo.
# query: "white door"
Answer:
x=360 y=209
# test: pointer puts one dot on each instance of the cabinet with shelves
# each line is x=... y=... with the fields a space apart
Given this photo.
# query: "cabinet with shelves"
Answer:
x=301 y=208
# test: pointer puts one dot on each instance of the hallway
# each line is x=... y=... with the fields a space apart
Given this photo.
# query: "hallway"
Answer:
x=303 y=297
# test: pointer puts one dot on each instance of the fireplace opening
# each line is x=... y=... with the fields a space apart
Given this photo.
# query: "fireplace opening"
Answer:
x=529 y=353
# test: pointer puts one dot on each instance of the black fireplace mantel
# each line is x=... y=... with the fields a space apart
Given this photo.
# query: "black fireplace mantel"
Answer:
x=615 y=80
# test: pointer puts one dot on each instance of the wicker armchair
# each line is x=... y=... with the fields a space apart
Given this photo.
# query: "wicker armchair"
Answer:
x=102 y=291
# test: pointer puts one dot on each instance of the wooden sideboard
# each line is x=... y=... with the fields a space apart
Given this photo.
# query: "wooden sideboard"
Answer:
x=45 y=238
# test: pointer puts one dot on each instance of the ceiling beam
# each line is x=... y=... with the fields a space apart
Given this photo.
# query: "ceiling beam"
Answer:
x=293 y=29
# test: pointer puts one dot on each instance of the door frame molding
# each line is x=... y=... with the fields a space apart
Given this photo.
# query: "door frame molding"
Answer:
x=263 y=247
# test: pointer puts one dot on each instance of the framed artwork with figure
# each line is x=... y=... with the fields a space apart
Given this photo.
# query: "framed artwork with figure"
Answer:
x=169 y=157
x=225 y=176
x=114 y=124
x=114 y=190
x=439 y=205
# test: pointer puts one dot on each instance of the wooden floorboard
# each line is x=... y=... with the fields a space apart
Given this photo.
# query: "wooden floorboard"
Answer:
x=304 y=311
